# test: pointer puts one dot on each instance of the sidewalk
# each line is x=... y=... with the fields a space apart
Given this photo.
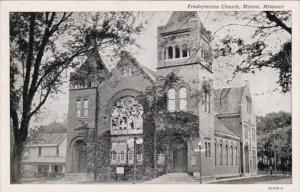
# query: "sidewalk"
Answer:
x=259 y=179
x=234 y=178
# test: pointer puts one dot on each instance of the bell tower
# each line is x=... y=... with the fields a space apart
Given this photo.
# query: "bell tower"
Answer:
x=184 y=47
x=184 y=40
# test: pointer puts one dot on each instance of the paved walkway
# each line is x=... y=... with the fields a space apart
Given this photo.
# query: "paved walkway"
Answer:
x=279 y=181
x=173 y=178
x=260 y=179
x=169 y=178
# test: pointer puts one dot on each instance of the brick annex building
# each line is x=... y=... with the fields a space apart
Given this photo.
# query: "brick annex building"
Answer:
x=106 y=101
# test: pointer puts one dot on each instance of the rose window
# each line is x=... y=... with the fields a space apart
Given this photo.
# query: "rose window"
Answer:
x=127 y=115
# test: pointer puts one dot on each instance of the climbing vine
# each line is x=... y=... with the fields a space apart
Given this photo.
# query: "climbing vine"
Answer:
x=98 y=153
x=161 y=126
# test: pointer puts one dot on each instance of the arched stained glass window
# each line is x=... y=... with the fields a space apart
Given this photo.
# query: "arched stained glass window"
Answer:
x=127 y=114
x=171 y=100
x=183 y=98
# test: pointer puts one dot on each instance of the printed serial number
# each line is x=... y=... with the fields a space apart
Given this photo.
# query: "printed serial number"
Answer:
x=275 y=188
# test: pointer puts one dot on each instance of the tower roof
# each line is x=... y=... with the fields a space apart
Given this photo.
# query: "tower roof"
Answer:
x=181 y=17
x=179 y=20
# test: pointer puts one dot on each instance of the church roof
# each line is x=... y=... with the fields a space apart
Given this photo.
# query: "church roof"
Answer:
x=221 y=127
x=227 y=100
x=93 y=63
x=127 y=58
x=149 y=72
x=232 y=121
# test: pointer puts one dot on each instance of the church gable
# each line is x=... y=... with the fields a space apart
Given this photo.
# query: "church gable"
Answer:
x=227 y=100
x=128 y=66
x=91 y=73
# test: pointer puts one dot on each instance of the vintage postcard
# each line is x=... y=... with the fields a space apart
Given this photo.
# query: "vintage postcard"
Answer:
x=150 y=95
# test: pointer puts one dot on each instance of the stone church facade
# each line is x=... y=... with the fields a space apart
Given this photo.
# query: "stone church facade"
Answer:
x=106 y=101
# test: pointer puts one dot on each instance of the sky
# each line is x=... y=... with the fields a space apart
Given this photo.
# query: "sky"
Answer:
x=262 y=83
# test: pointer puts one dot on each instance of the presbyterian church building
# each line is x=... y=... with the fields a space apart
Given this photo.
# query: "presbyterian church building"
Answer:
x=106 y=101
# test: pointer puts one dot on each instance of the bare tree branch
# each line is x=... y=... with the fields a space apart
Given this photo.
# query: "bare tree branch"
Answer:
x=278 y=22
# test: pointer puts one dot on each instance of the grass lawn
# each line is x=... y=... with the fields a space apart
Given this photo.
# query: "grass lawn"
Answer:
x=253 y=180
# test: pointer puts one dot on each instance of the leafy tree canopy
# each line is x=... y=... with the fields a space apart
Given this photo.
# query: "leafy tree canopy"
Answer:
x=273 y=121
x=263 y=41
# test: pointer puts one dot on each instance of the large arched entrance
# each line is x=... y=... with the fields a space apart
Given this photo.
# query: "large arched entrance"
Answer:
x=179 y=151
x=246 y=159
x=79 y=160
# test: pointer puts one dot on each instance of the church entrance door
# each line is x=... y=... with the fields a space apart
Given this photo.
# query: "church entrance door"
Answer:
x=81 y=157
x=179 y=156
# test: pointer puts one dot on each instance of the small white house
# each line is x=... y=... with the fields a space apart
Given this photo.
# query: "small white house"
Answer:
x=46 y=156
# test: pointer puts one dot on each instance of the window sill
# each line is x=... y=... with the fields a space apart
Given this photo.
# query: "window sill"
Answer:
x=176 y=59
x=82 y=117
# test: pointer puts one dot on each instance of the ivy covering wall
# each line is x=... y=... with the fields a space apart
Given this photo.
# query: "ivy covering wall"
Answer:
x=160 y=127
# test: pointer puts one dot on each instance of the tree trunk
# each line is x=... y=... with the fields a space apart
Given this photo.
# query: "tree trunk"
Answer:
x=15 y=166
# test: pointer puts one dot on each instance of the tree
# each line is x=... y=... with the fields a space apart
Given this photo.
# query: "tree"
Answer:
x=272 y=121
x=275 y=140
x=43 y=46
x=258 y=50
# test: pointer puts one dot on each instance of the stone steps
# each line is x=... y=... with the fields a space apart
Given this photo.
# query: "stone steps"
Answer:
x=175 y=178
x=77 y=178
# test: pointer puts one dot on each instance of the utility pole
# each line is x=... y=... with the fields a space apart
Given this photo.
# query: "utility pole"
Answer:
x=200 y=174
x=134 y=158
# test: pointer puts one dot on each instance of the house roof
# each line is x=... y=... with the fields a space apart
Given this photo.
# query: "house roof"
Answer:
x=221 y=127
x=48 y=139
x=227 y=100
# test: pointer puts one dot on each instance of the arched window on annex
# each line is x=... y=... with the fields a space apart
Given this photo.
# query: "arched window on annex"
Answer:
x=232 y=152
x=227 y=153
x=215 y=148
x=236 y=155
x=221 y=153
